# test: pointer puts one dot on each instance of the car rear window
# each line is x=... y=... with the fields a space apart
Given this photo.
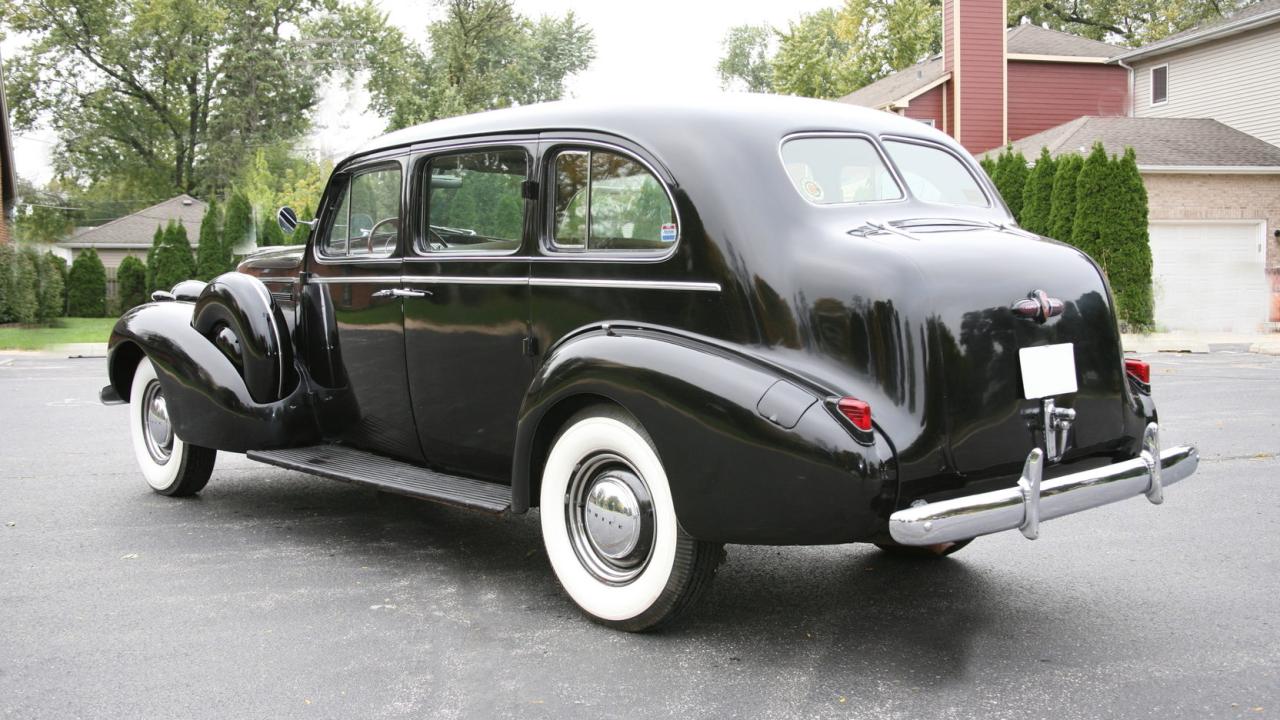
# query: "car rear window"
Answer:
x=837 y=170
x=935 y=175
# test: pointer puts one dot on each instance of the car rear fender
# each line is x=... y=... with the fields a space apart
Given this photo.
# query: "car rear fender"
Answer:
x=736 y=475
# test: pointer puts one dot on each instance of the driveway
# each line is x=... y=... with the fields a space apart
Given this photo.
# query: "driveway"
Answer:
x=279 y=595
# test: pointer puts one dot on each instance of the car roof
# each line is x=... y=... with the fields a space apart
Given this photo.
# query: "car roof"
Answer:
x=740 y=114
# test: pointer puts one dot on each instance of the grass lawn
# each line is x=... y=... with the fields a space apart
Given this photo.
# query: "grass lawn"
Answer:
x=65 y=330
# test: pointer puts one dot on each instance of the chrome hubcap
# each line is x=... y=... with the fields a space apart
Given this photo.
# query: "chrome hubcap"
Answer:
x=610 y=518
x=157 y=429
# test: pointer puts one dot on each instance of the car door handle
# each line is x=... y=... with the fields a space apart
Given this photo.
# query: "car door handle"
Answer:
x=402 y=293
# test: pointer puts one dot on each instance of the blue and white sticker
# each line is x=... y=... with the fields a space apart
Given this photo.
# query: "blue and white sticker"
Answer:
x=668 y=233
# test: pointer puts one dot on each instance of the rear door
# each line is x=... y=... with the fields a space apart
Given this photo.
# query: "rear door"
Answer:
x=465 y=335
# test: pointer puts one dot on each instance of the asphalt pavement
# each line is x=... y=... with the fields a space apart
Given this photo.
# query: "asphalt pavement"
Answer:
x=278 y=595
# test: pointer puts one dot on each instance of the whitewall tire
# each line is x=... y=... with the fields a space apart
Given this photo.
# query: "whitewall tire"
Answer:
x=609 y=525
x=169 y=465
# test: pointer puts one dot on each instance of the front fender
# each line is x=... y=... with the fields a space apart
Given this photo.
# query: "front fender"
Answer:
x=735 y=475
x=209 y=402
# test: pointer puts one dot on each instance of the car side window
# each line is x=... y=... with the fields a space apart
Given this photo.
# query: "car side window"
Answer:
x=474 y=201
x=607 y=201
x=367 y=222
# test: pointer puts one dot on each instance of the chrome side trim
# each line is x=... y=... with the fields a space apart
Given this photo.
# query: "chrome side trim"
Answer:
x=278 y=280
x=1025 y=506
x=356 y=280
x=627 y=284
x=463 y=280
x=539 y=282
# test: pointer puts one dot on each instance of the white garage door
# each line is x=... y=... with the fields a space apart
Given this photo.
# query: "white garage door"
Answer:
x=1209 y=276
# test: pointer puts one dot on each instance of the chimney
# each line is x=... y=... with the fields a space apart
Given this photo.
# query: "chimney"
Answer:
x=973 y=51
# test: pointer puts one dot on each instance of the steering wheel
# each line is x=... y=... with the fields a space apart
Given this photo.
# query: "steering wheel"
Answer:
x=391 y=236
x=434 y=237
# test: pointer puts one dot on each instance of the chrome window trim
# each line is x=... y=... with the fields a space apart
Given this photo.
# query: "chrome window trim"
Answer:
x=537 y=282
x=889 y=166
x=316 y=241
x=422 y=164
x=557 y=143
x=959 y=158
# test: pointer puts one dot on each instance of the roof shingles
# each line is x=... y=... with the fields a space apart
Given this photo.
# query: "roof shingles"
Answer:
x=139 y=228
x=1157 y=142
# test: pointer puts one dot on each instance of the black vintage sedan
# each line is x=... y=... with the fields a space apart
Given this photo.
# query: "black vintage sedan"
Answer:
x=670 y=327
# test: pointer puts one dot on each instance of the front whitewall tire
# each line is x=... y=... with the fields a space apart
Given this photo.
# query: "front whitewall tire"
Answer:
x=186 y=469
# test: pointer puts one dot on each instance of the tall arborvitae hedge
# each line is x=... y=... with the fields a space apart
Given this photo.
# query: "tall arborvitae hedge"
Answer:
x=173 y=261
x=87 y=286
x=210 y=260
x=1092 y=204
x=19 y=301
x=237 y=229
x=988 y=164
x=59 y=265
x=271 y=234
x=1037 y=197
x=131 y=282
x=1062 y=212
x=1010 y=178
x=157 y=241
x=1126 y=244
x=50 y=289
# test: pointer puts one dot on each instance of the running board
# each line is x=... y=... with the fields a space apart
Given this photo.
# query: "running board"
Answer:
x=338 y=462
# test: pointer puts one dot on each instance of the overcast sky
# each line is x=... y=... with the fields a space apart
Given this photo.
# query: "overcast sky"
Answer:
x=648 y=48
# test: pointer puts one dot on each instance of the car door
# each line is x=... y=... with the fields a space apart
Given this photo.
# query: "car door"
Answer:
x=466 y=337
x=355 y=264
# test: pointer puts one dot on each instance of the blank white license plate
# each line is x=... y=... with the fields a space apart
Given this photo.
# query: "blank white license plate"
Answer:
x=1048 y=370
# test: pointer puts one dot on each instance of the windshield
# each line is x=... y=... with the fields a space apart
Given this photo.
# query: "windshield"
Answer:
x=836 y=170
x=935 y=175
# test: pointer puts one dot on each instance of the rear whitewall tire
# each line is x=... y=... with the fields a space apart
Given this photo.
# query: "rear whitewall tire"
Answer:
x=169 y=465
x=677 y=568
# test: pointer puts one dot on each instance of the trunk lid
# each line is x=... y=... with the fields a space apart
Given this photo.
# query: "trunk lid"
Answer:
x=974 y=277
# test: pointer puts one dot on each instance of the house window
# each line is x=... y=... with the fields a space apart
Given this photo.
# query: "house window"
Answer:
x=1159 y=84
x=929 y=122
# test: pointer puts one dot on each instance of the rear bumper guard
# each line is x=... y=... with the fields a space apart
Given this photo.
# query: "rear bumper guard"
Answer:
x=1032 y=501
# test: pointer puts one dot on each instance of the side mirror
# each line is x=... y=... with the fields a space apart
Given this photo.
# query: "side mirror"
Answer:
x=288 y=220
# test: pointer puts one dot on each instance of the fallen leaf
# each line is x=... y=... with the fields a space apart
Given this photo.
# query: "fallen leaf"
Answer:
x=11 y=523
x=130 y=556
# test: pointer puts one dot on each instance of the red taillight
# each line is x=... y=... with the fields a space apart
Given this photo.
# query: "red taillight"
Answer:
x=1139 y=370
x=858 y=412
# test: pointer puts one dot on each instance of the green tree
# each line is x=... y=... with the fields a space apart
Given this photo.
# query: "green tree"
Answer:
x=49 y=286
x=238 y=232
x=816 y=59
x=1091 y=203
x=1062 y=212
x=1037 y=197
x=157 y=241
x=746 y=64
x=271 y=235
x=1132 y=22
x=1125 y=245
x=131 y=282
x=19 y=298
x=146 y=90
x=87 y=286
x=173 y=261
x=1011 y=179
x=59 y=265
x=209 y=252
x=832 y=52
x=480 y=55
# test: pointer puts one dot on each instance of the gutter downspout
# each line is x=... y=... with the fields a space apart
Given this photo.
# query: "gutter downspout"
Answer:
x=1131 y=100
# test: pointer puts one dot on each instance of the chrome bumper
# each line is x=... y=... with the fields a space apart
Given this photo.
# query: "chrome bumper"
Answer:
x=1030 y=502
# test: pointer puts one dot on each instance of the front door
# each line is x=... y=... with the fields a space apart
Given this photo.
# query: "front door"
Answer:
x=465 y=339
x=354 y=265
